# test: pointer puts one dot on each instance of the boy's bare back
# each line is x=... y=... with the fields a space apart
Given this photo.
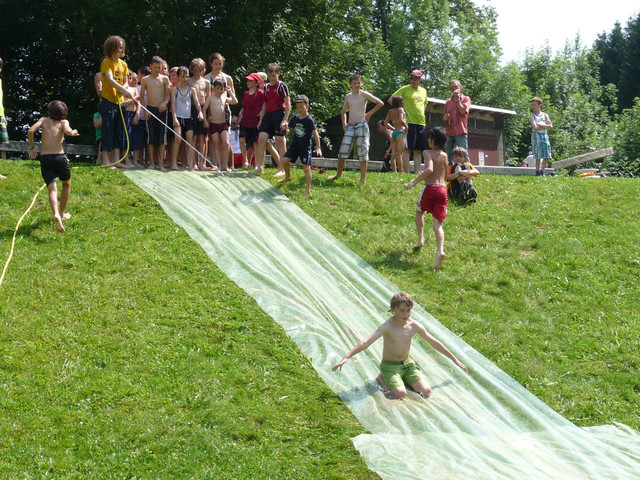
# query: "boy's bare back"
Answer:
x=436 y=161
x=52 y=135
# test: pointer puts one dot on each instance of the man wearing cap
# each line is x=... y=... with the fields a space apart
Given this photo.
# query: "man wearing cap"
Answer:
x=456 y=117
x=415 y=102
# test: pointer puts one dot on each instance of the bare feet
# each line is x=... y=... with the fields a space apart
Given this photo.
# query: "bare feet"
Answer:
x=380 y=381
x=306 y=193
x=258 y=170
x=58 y=221
x=66 y=216
x=418 y=245
x=334 y=177
x=439 y=259
x=285 y=179
x=279 y=173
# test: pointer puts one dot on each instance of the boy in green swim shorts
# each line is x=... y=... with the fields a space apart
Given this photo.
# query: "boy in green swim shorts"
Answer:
x=396 y=368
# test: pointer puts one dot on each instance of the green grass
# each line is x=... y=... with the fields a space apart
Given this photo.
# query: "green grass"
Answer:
x=125 y=353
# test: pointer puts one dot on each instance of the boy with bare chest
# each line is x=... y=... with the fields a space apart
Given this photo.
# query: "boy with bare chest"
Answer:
x=158 y=92
x=202 y=87
x=397 y=368
x=215 y=110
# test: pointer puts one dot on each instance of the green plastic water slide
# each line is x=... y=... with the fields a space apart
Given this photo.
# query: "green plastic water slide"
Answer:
x=480 y=425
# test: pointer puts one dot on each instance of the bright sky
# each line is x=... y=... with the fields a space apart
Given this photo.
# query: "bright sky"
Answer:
x=528 y=24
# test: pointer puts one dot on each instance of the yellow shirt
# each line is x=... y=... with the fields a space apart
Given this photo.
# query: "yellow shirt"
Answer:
x=119 y=70
x=415 y=100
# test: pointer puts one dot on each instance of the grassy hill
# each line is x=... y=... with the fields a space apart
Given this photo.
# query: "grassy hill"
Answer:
x=126 y=353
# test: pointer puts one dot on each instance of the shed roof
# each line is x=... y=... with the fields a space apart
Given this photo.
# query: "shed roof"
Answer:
x=478 y=108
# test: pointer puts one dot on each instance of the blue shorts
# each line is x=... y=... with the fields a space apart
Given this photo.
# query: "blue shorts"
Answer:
x=112 y=126
x=417 y=137
x=304 y=154
x=135 y=137
x=540 y=145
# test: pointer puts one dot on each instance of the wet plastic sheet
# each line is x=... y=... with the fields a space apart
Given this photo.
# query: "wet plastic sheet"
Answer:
x=479 y=425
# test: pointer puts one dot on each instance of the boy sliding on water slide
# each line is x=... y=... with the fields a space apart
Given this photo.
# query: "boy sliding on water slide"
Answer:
x=396 y=368
x=53 y=162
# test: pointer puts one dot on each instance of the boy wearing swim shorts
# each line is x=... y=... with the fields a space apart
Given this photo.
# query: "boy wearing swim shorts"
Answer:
x=397 y=368
x=53 y=162
x=433 y=197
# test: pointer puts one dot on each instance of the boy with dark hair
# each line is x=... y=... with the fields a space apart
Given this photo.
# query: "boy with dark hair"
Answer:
x=433 y=197
x=304 y=127
x=157 y=90
x=53 y=162
x=397 y=368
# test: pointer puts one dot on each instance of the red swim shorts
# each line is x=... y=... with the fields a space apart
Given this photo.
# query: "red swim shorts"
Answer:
x=433 y=200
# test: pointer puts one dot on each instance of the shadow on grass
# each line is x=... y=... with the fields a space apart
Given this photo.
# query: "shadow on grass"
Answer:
x=26 y=230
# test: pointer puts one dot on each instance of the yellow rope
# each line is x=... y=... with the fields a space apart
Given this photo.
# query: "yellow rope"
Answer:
x=13 y=241
x=124 y=123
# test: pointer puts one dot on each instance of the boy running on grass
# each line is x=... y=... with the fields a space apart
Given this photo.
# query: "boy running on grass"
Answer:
x=53 y=162
x=433 y=197
x=396 y=368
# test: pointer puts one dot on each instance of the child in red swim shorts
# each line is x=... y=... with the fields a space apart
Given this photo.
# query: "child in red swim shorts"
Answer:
x=433 y=197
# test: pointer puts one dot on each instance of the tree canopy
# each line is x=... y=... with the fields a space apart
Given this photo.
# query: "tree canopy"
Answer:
x=53 y=49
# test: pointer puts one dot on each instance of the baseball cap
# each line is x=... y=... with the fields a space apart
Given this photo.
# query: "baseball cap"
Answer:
x=417 y=73
x=254 y=76
x=301 y=99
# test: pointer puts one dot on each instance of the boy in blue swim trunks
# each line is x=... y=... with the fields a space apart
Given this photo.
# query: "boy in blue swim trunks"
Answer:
x=53 y=162
x=397 y=368
x=304 y=127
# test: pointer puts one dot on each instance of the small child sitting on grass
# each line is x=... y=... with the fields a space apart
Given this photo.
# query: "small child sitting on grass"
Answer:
x=396 y=368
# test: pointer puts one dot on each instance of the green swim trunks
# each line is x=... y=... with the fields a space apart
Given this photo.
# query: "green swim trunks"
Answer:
x=396 y=374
